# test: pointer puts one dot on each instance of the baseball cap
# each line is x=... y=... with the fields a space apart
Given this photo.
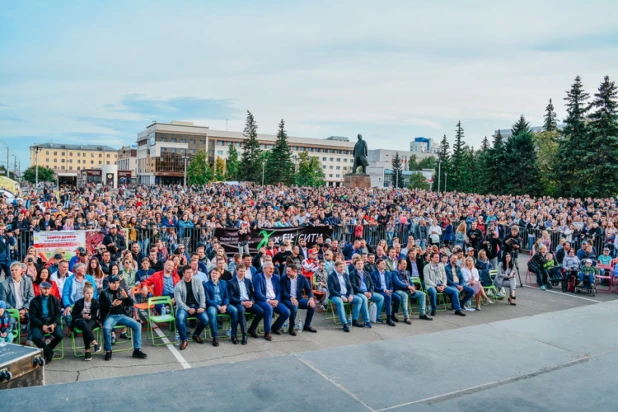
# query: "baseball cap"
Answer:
x=57 y=256
x=81 y=250
x=113 y=278
x=45 y=285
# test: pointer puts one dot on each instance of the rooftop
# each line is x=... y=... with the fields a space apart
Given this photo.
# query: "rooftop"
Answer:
x=87 y=147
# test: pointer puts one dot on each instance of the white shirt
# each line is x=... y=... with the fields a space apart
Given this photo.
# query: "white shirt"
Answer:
x=201 y=276
x=59 y=280
x=19 y=297
x=243 y=290
x=341 y=277
x=270 y=290
x=293 y=287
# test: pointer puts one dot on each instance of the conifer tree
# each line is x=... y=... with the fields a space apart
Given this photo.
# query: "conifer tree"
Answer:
x=550 y=118
x=233 y=164
x=279 y=167
x=458 y=172
x=397 y=175
x=250 y=166
x=442 y=165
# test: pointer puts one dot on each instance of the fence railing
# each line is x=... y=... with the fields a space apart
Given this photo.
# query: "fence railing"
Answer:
x=192 y=237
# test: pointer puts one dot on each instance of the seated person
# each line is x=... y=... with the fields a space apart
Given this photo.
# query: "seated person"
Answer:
x=362 y=284
x=472 y=278
x=162 y=282
x=604 y=262
x=190 y=302
x=6 y=324
x=403 y=287
x=86 y=316
x=455 y=279
x=587 y=270
x=293 y=288
x=340 y=291
x=45 y=320
x=383 y=283
x=17 y=292
x=268 y=296
x=218 y=302
x=73 y=289
x=320 y=283
x=552 y=270
x=435 y=281
x=241 y=293
x=506 y=276
x=116 y=309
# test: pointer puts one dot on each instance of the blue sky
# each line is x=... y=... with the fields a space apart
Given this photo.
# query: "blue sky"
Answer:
x=88 y=71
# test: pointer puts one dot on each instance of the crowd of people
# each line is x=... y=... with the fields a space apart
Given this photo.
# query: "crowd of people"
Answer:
x=390 y=249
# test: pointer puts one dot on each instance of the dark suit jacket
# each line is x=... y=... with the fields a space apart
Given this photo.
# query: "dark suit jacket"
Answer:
x=377 y=281
x=302 y=287
x=259 y=284
x=209 y=288
x=334 y=288
x=233 y=290
x=36 y=311
x=355 y=280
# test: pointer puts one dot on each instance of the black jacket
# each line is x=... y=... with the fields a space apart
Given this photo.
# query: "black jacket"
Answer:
x=78 y=307
x=36 y=311
x=106 y=297
x=356 y=281
x=302 y=287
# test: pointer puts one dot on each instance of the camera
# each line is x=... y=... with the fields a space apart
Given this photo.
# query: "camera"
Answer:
x=30 y=260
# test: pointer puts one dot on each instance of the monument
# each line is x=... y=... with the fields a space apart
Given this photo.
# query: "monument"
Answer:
x=358 y=179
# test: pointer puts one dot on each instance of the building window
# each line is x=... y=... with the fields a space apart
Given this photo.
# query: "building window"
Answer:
x=92 y=162
x=323 y=167
x=100 y=162
x=330 y=175
x=337 y=176
x=47 y=160
x=221 y=143
x=47 y=152
x=55 y=153
x=70 y=167
x=338 y=168
x=70 y=153
x=91 y=154
x=192 y=141
x=55 y=160
x=101 y=155
x=219 y=152
x=108 y=155
x=331 y=151
x=323 y=159
x=338 y=159
x=345 y=160
x=107 y=162
x=332 y=159
x=330 y=167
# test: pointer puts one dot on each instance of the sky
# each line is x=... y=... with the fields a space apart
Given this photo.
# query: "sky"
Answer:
x=85 y=72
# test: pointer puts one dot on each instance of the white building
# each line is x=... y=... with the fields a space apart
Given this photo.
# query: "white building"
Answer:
x=381 y=160
x=163 y=147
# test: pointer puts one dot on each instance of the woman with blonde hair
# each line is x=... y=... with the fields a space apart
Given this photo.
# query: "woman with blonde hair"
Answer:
x=472 y=279
x=460 y=235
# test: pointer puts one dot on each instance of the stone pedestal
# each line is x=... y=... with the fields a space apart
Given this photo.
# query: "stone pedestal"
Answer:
x=356 y=181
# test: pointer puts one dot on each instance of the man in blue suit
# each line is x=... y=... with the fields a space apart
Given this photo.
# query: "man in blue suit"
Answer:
x=268 y=296
x=383 y=284
x=455 y=279
x=293 y=287
x=240 y=290
x=340 y=291
x=218 y=302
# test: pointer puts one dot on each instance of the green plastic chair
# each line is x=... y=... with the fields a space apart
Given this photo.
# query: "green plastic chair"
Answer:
x=14 y=314
x=222 y=331
x=75 y=333
x=492 y=288
x=169 y=318
x=347 y=308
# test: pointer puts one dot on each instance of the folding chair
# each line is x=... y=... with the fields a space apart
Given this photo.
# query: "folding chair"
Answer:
x=75 y=333
x=14 y=314
x=492 y=288
x=169 y=318
x=137 y=290
x=221 y=331
x=347 y=308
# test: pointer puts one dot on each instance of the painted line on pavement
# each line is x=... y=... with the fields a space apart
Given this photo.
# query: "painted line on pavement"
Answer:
x=183 y=362
x=565 y=294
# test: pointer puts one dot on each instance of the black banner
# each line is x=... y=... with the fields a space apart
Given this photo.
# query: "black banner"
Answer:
x=260 y=237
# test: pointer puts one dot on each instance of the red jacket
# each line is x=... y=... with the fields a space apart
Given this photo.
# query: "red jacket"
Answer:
x=156 y=281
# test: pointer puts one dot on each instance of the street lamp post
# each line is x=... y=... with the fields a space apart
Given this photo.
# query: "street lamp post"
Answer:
x=185 y=174
x=439 y=163
x=445 y=180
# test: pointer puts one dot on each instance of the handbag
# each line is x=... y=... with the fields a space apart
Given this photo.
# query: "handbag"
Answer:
x=373 y=312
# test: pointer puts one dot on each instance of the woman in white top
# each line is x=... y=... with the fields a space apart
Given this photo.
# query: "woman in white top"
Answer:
x=472 y=279
x=506 y=276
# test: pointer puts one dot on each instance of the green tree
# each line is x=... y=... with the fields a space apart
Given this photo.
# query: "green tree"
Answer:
x=550 y=124
x=547 y=150
x=310 y=171
x=418 y=181
x=521 y=169
x=199 y=172
x=520 y=126
x=458 y=172
x=233 y=164
x=413 y=163
x=442 y=166
x=397 y=175
x=279 y=167
x=484 y=167
x=600 y=167
x=497 y=163
x=572 y=146
x=45 y=174
x=250 y=166
x=427 y=163
x=220 y=171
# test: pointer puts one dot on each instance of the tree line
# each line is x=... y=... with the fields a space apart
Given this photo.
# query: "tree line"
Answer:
x=579 y=158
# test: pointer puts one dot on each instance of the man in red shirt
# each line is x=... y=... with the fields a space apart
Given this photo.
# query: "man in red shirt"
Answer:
x=162 y=282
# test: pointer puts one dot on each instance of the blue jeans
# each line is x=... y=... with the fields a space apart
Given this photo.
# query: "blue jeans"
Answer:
x=181 y=322
x=391 y=303
x=450 y=291
x=212 y=316
x=468 y=292
x=580 y=275
x=281 y=310
x=302 y=304
x=113 y=320
x=356 y=308
x=375 y=298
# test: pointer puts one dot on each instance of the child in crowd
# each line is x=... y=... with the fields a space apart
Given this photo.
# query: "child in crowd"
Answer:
x=553 y=270
x=587 y=270
x=6 y=325
x=319 y=282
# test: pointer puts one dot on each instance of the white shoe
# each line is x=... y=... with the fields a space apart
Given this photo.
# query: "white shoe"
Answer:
x=491 y=302
x=469 y=309
x=478 y=307
x=503 y=291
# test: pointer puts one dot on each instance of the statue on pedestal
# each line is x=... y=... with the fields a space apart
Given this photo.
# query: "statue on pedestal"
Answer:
x=360 y=156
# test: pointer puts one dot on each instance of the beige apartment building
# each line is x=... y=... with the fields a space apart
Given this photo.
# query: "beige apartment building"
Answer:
x=69 y=159
x=163 y=148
